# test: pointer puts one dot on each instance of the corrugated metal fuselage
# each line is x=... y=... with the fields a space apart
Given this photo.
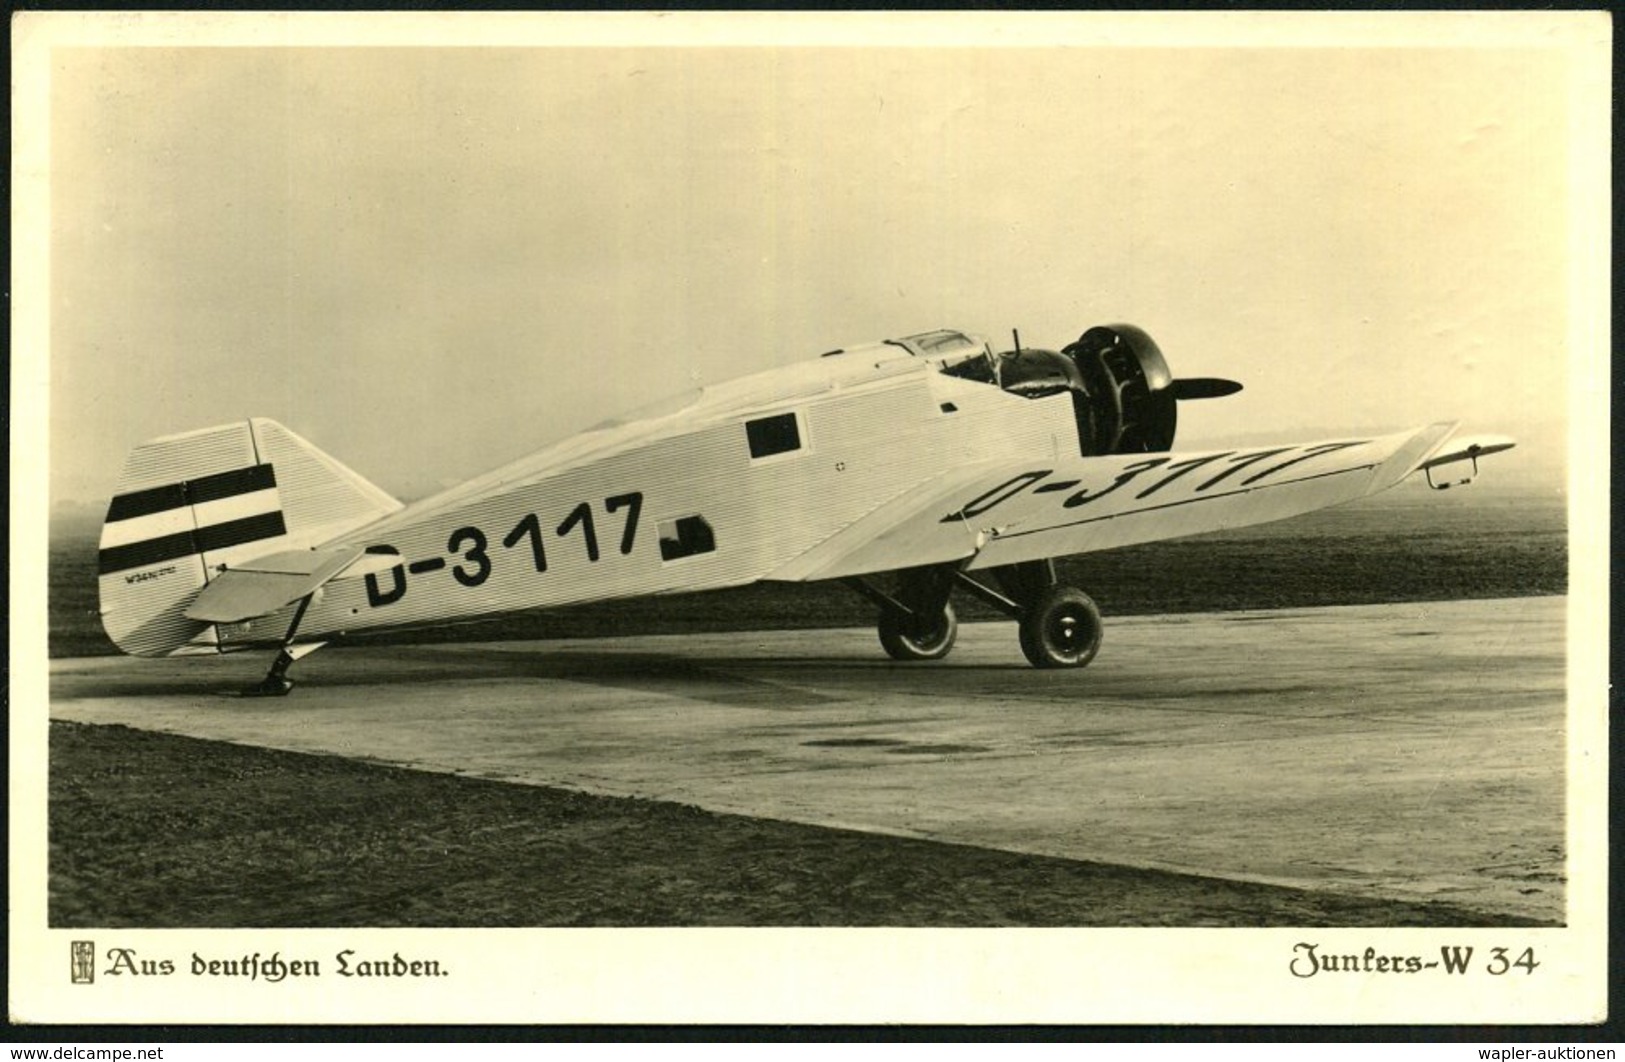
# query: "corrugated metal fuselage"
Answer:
x=721 y=494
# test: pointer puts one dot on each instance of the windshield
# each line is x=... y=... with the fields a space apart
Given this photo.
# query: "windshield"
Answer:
x=956 y=353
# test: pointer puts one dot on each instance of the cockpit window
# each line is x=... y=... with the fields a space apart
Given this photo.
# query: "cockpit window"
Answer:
x=977 y=367
x=941 y=343
x=956 y=353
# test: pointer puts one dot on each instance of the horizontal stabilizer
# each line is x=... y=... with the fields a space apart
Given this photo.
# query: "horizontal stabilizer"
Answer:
x=266 y=584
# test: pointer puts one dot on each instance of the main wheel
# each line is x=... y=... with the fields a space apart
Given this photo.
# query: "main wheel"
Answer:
x=916 y=638
x=1061 y=629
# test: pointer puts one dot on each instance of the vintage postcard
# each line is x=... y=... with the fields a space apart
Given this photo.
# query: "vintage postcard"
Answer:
x=918 y=518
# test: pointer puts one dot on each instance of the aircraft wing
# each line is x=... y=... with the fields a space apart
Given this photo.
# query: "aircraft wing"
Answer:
x=1007 y=512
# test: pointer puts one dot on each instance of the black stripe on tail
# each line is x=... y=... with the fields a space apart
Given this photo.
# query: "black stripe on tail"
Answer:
x=191 y=492
x=187 y=543
x=211 y=488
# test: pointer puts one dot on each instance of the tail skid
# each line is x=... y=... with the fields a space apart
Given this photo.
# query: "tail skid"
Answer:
x=191 y=506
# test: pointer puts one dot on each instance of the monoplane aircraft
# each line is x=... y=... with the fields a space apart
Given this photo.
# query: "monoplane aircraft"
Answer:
x=907 y=469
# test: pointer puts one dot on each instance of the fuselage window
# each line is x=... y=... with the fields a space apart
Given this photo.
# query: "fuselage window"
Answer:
x=773 y=435
x=685 y=536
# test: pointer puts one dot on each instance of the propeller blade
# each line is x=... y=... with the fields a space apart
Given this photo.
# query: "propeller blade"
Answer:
x=1193 y=387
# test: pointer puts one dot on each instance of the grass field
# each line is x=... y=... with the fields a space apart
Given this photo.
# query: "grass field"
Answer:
x=331 y=842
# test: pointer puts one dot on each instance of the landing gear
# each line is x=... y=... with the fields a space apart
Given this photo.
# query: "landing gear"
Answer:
x=916 y=622
x=917 y=636
x=1061 y=629
x=1059 y=625
x=276 y=682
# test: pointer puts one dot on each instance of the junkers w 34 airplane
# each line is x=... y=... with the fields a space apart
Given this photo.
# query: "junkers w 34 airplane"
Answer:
x=907 y=469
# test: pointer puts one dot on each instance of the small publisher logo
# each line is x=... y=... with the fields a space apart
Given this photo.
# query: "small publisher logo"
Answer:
x=83 y=954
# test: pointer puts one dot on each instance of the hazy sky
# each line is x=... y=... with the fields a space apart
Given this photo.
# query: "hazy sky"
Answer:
x=430 y=260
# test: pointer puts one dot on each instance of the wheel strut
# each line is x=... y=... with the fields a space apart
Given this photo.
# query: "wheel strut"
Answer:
x=276 y=682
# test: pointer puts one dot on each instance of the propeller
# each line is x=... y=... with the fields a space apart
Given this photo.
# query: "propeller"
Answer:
x=1190 y=388
x=1124 y=396
x=1131 y=392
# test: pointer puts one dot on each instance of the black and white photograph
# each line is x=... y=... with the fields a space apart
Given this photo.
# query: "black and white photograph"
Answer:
x=973 y=518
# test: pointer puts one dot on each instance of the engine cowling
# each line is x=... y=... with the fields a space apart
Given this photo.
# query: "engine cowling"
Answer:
x=1124 y=397
x=1130 y=395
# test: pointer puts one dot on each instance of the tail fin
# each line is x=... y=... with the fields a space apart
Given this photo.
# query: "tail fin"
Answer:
x=189 y=506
